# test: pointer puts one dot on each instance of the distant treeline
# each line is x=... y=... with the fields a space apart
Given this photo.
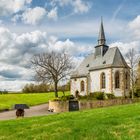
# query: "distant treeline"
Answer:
x=42 y=88
x=4 y=92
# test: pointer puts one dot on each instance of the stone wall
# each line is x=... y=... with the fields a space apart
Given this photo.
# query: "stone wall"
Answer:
x=105 y=103
x=59 y=106
x=63 y=106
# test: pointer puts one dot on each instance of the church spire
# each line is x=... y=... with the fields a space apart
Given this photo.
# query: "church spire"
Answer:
x=101 y=48
x=101 y=38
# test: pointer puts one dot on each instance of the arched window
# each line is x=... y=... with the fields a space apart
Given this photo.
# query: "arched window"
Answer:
x=103 y=80
x=82 y=86
x=117 y=79
x=126 y=79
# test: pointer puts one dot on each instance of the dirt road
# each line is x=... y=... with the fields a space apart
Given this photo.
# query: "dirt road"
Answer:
x=38 y=110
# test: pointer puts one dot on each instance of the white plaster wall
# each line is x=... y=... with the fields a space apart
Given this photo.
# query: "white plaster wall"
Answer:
x=94 y=85
x=95 y=80
x=75 y=85
x=120 y=92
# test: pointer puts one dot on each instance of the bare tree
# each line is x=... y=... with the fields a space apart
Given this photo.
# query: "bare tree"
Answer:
x=138 y=77
x=52 y=67
x=132 y=58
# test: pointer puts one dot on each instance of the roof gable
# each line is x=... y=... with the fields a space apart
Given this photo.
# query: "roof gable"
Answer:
x=119 y=59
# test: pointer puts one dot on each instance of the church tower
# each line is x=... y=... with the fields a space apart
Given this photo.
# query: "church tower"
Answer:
x=101 y=48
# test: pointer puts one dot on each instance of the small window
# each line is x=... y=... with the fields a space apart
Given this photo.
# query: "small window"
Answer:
x=117 y=79
x=82 y=86
x=102 y=80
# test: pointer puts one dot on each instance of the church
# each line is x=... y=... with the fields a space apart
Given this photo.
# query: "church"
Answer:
x=105 y=70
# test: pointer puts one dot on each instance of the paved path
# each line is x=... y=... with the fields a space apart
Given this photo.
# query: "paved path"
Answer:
x=38 y=110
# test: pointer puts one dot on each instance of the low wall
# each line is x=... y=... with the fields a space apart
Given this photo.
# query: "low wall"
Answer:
x=59 y=106
x=63 y=106
x=104 y=103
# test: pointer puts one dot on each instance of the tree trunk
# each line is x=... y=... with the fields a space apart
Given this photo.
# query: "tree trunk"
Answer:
x=56 y=90
x=132 y=85
x=63 y=92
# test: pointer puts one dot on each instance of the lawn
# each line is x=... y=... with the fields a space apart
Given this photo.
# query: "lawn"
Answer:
x=8 y=100
x=111 y=123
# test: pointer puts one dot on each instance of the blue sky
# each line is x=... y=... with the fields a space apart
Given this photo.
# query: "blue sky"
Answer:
x=114 y=13
x=31 y=26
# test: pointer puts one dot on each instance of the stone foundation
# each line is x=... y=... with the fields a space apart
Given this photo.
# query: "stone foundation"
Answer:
x=59 y=106
x=63 y=106
x=104 y=103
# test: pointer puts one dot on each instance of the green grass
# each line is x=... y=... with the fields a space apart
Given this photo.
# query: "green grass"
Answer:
x=111 y=123
x=8 y=100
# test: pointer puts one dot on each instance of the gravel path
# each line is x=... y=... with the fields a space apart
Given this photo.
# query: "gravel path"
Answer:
x=38 y=110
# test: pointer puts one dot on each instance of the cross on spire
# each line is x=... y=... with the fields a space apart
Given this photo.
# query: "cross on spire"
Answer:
x=101 y=38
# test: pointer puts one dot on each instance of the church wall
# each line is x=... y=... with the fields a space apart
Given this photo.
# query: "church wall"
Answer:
x=75 y=86
x=95 y=84
x=122 y=91
x=95 y=80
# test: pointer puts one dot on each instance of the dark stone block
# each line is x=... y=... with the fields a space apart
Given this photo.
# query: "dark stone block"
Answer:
x=73 y=105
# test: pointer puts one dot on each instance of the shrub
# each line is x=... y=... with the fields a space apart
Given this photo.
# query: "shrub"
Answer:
x=64 y=98
x=91 y=94
x=56 y=99
x=110 y=95
x=98 y=95
x=70 y=97
x=82 y=97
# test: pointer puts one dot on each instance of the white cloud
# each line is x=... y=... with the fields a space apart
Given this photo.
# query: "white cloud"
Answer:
x=70 y=47
x=15 y=18
x=61 y=2
x=33 y=15
x=53 y=14
x=80 y=6
x=16 y=85
x=9 y=7
x=125 y=47
x=17 y=51
x=134 y=26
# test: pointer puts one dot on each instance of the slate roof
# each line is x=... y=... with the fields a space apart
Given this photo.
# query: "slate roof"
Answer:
x=101 y=37
x=112 y=58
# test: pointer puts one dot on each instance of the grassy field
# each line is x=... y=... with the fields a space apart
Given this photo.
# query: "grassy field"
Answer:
x=111 y=123
x=8 y=100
